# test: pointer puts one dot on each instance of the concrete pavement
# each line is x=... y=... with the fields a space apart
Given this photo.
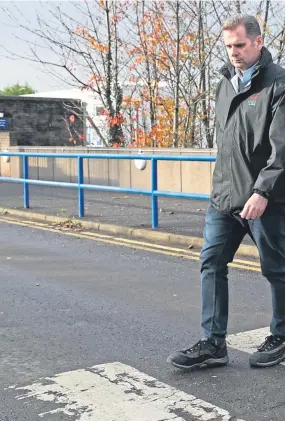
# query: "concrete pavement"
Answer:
x=78 y=306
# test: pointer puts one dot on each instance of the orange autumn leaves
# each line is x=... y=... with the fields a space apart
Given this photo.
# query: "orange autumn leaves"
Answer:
x=155 y=55
x=84 y=33
x=161 y=133
x=147 y=116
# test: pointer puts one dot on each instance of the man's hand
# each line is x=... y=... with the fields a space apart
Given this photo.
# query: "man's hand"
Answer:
x=254 y=207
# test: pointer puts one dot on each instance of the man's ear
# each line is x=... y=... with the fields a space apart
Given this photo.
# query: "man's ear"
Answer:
x=259 y=42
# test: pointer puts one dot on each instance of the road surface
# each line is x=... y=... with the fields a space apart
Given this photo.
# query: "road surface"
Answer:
x=87 y=322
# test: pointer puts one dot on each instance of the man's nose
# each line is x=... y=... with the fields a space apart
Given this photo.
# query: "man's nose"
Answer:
x=234 y=52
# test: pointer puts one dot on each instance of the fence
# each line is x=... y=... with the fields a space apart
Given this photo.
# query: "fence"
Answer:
x=80 y=186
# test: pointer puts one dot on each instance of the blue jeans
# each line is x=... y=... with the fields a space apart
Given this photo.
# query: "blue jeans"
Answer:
x=223 y=234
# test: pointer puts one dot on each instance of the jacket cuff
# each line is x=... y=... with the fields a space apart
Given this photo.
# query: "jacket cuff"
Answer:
x=261 y=193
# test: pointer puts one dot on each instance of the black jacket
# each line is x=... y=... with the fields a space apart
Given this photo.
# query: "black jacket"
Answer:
x=250 y=134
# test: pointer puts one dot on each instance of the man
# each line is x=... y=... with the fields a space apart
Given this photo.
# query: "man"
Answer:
x=248 y=193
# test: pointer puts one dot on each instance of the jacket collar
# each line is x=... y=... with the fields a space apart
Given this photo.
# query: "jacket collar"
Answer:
x=265 y=60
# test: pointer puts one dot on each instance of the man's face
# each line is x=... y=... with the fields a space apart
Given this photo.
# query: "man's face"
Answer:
x=243 y=52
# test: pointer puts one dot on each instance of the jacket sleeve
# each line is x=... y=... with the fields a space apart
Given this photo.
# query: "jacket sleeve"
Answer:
x=270 y=176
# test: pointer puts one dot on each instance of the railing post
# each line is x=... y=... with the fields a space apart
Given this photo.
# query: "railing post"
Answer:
x=80 y=190
x=154 y=183
x=26 y=177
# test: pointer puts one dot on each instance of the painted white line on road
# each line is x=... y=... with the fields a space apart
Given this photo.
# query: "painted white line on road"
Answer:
x=117 y=392
x=248 y=341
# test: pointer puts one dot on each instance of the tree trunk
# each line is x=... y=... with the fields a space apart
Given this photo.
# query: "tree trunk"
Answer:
x=203 y=84
x=238 y=7
x=177 y=80
x=281 y=46
x=149 y=77
x=193 y=124
x=265 y=19
x=108 y=92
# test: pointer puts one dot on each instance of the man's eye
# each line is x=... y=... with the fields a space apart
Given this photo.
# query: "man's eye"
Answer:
x=236 y=45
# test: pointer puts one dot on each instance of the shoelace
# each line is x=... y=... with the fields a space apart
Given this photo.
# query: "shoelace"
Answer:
x=269 y=342
x=198 y=346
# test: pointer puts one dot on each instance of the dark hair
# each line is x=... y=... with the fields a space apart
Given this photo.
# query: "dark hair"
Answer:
x=249 y=22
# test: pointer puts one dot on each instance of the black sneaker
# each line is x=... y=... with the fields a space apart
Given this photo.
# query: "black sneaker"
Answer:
x=204 y=353
x=271 y=352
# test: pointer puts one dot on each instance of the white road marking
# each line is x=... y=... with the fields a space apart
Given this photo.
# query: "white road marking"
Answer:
x=248 y=341
x=117 y=392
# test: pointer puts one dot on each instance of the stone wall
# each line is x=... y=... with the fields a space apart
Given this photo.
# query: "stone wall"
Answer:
x=43 y=121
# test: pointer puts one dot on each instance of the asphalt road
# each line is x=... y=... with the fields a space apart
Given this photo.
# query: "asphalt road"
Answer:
x=69 y=303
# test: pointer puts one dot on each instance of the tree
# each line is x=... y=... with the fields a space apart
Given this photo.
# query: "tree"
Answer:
x=16 y=90
x=171 y=59
x=84 y=51
x=153 y=64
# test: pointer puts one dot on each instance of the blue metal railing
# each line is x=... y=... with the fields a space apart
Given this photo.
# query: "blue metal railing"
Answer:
x=80 y=186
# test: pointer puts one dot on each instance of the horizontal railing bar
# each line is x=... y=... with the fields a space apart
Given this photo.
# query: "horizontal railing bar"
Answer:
x=40 y=182
x=113 y=156
x=160 y=193
x=115 y=189
x=76 y=185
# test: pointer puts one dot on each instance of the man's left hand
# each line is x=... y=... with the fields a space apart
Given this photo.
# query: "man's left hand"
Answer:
x=254 y=207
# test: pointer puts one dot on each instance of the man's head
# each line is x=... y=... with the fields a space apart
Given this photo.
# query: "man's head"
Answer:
x=243 y=40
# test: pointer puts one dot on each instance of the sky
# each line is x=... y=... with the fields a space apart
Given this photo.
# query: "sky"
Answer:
x=15 y=40
x=11 y=38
